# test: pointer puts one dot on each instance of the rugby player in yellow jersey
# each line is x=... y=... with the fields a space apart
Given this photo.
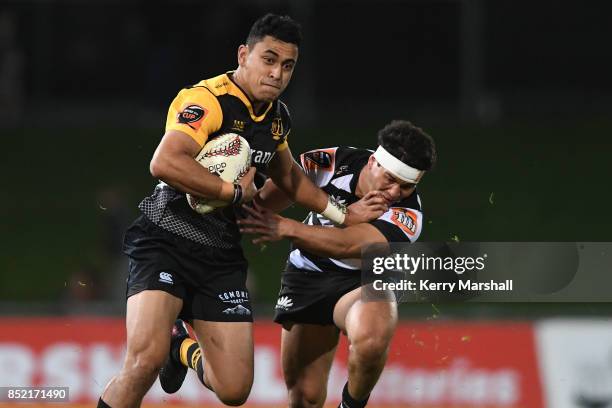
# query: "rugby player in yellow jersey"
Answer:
x=187 y=265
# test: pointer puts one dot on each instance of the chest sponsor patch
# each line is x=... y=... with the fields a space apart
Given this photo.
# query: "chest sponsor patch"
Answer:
x=192 y=115
x=404 y=219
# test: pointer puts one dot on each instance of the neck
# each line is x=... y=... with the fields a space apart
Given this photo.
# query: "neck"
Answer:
x=242 y=84
x=361 y=187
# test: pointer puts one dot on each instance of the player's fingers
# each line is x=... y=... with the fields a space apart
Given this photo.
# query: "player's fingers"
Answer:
x=376 y=200
x=263 y=211
x=252 y=212
x=377 y=213
x=378 y=208
x=254 y=230
x=372 y=194
x=248 y=178
x=251 y=222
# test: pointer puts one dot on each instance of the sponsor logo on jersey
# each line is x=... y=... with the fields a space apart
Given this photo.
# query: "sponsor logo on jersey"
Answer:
x=259 y=157
x=234 y=296
x=404 y=219
x=192 y=116
x=284 y=302
x=165 y=277
x=277 y=128
x=237 y=310
x=238 y=126
x=318 y=158
x=222 y=84
x=341 y=169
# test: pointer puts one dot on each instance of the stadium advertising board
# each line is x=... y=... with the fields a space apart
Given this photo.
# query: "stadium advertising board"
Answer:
x=430 y=364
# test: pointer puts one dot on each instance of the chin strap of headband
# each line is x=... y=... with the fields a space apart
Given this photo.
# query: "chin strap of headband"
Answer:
x=397 y=167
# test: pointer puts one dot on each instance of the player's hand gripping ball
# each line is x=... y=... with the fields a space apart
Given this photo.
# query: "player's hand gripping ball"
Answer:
x=229 y=157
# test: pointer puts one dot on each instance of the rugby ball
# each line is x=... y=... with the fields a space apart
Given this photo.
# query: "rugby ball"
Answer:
x=227 y=156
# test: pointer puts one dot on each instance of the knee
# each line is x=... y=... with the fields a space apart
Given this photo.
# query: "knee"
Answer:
x=372 y=347
x=144 y=363
x=305 y=397
x=234 y=395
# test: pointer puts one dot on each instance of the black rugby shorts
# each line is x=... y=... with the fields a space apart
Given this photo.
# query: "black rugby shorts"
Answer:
x=211 y=281
x=310 y=297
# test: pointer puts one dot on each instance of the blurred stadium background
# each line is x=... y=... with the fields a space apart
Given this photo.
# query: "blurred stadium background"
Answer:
x=517 y=94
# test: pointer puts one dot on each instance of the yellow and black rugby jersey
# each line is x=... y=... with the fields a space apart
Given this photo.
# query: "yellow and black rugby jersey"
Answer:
x=336 y=170
x=217 y=106
x=208 y=109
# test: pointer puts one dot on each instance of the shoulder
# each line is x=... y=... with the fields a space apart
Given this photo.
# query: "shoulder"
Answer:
x=403 y=221
x=348 y=155
x=334 y=158
x=200 y=92
x=218 y=86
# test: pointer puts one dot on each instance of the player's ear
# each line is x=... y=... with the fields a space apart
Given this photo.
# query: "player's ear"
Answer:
x=243 y=52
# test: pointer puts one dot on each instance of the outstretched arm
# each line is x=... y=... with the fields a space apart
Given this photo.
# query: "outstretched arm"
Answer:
x=289 y=178
x=321 y=241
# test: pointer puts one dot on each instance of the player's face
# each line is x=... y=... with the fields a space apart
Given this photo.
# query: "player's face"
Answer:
x=267 y=67
x=392 y=188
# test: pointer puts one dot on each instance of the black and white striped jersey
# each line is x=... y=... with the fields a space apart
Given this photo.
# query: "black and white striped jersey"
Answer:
x=336 y=170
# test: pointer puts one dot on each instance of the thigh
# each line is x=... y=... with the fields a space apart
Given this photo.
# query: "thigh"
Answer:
x=307 y=353
x=353 y=314
x=228 y=351
x=149 y=319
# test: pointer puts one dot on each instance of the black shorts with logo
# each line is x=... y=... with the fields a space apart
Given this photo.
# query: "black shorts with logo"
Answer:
x=310 y=297
x=211 y=281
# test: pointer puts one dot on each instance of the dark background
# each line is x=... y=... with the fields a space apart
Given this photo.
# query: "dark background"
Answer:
x=517 y=95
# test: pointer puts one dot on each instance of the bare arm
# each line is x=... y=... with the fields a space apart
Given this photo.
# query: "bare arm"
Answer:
x=322 y=241
x=333 y=242
x=293 y=183
x=173 y=162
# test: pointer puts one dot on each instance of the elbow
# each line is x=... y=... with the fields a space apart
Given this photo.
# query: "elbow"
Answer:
x=158 y=167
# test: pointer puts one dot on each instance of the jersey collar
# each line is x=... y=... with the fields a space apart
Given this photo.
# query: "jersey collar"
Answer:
x=235 y=90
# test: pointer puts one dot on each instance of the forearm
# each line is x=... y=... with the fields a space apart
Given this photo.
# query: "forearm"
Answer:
x=185 y=174
x=299 y=189
x=323 y=241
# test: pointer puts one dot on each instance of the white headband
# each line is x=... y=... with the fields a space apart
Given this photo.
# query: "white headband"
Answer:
x=397 y=167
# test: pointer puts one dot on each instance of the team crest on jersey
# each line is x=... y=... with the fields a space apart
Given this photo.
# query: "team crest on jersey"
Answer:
x=192 y=116
x=321 y=158
x=277 y=128
x=404 y=219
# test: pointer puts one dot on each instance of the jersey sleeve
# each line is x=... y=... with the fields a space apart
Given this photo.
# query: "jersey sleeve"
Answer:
x=196 y=112
x=281 y=127
x=319 y=165
x=283 y=145
x=400 y=224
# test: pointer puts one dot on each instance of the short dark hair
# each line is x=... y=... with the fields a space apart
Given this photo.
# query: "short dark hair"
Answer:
x=282 y=28
x=408 y=143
